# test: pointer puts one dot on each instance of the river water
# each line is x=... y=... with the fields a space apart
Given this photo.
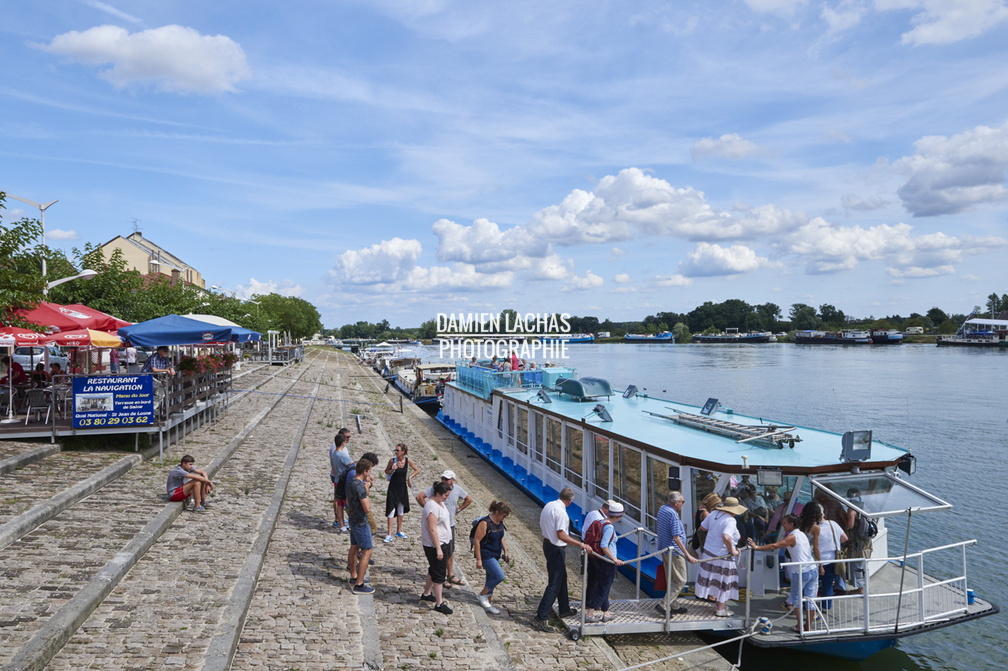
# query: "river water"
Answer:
x=948 y=405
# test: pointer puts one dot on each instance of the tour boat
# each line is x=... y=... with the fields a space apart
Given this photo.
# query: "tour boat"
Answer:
x=548 y=429
x=569 y=337
x=423 y=383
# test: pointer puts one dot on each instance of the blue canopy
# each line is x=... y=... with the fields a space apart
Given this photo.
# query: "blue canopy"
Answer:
x=239 y=334
x=176 y=330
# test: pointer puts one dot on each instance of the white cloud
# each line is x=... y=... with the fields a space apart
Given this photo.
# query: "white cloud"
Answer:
x=588 y=281
x=282 y=288
x=729 y=146
x=845 y=16
x=675 y=280
x=484 y=242
x=854 y=202
x=953 y=174
x=828 y=249
x=113 y=11
x=708 y=260
x=775 y=6
x=947 y=21
x=60 y=234
x=621 y=278
x=382 y=263
x=617 y=253
x=174 y=58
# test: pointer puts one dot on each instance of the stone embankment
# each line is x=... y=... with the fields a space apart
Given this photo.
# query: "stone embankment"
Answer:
x=124 y=580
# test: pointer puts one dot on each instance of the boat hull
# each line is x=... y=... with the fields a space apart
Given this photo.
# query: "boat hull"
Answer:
x=755 y=338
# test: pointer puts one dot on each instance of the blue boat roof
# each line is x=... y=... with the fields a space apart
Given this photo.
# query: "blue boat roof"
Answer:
x=651 y=423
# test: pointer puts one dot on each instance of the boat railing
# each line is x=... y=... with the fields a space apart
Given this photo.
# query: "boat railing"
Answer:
x=484 y=380
x=901 y=598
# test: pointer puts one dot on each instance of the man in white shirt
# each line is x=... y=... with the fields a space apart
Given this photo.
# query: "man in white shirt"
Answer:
x=554 y=525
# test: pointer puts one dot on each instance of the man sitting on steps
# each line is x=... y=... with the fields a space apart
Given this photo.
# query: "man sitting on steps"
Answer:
x=185 y=481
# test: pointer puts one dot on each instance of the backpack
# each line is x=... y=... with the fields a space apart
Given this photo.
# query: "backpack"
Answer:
x=864 y=527
x=593 y=536
x=472 y=533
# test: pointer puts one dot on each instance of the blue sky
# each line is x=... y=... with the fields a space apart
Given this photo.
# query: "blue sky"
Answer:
x=394 y=160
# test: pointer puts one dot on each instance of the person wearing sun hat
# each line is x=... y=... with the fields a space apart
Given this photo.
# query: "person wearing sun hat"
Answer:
x=717 y=579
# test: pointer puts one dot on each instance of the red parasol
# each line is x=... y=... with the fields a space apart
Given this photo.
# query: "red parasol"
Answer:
x=71 y=317
x=19 y=337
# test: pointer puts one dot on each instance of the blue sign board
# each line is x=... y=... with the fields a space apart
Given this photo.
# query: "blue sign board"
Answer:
x=113 y=401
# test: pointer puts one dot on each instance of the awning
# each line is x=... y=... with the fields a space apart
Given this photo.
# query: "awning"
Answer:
x=174 y=330
x=238 y=333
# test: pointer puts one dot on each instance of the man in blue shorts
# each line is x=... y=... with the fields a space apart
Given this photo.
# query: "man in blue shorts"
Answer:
x=358 y=506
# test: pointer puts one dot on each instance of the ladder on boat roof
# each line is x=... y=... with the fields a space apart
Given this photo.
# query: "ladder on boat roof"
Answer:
x=769 y=434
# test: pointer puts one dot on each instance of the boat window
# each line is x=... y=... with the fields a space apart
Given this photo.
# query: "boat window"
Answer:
x=572 y=456
x=522 y=430
x=658 y=490
x=879 y=494
x=553 y=444
x=627 y=479
x=600 y=472
x=537 y=437
x=500 y=418
x=510 y=423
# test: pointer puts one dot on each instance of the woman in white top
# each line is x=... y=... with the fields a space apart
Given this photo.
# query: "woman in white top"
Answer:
x=436 y=536
x=802 y=571
x=831 y=536
x=717 y=579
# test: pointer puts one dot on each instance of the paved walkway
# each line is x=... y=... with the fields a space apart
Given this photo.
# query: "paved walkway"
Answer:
x=302 y=614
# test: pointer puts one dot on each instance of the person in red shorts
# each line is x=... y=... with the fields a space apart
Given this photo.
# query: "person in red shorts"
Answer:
x=185 y=481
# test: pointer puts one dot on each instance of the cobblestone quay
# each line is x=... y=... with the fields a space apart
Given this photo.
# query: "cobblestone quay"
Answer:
x=301 y=613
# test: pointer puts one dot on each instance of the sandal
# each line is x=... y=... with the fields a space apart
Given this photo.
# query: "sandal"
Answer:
x=455 y=580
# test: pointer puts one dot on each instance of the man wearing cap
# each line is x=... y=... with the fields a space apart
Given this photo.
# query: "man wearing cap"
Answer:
x=672 y=536
x=600 y=513
x=554 y=525
x=452 y=504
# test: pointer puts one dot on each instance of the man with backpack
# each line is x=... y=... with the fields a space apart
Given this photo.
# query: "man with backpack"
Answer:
x=860 y=531
x=601 y=538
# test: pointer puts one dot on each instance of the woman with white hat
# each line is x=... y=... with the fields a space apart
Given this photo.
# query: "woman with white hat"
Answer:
x=717 y=579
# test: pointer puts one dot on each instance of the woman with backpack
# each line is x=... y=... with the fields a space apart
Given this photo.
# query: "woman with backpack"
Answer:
x=489 y=548
x=602 y=565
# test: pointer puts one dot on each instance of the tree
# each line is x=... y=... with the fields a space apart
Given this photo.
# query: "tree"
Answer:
x=294 y=315
x=681 y=332
x=21 y=282
x=767 y=317
x=937 y=316
x=803 y=317
x=830 y=315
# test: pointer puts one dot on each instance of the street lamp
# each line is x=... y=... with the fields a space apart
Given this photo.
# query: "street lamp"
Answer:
x=82 y=275
x=41 y=208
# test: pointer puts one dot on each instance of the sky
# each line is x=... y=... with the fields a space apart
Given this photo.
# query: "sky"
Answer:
x=397 y=160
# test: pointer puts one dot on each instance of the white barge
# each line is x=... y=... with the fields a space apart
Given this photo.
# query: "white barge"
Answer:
x=547 y=429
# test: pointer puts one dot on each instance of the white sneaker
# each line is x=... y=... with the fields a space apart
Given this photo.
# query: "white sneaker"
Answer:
x=724 y=612
x=388 y=539
x=493 y=610
x=485 y=602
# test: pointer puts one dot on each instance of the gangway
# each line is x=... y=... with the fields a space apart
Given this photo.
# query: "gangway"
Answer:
x=770 y=434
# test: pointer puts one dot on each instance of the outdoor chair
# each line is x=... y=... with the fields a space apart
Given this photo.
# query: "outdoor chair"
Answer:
x=37 y=402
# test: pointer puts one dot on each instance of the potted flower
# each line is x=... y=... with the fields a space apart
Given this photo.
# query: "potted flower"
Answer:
x=229 y=359
x=188 y=365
